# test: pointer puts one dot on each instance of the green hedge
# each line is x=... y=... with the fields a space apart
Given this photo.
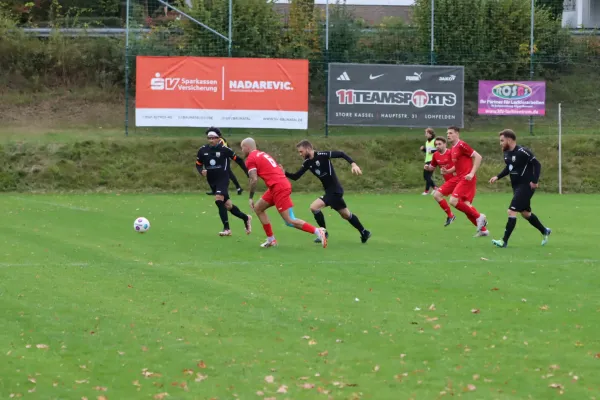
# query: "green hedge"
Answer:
x=150 y=165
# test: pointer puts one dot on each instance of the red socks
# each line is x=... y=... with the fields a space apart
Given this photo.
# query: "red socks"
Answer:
x=469 y=211
x=268 y=230
x=308 y=228
x=445 y=207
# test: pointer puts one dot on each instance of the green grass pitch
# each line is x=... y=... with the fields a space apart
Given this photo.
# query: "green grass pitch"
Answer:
x=91 y=309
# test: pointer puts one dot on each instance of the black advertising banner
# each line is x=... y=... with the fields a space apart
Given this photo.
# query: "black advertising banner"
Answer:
x=395 y=95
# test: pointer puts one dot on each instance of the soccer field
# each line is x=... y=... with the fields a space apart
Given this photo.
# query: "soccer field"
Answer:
x=90 y=308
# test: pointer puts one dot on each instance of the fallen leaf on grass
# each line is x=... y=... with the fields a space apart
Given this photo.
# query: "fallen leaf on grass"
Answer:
x=31 y=390
x=554 y=367
x=32 y=380
x=260 y=393
x=82 y=381
x=555 y=386
x=161 y=396
x=144 y=348
x=494 y=289
x=432 y=307
x=305 y=337
x=136 y=383
x=471 y=387
x=200 y=377
x=544 y=307
x=308 y=386
x=323 y=354
x=41 y=346
x=188 y=372
x=201 y=364
x=597 y=355
x=100 y=388
x=475 y=377
x=376 y=368
x=475 y=310
x=101 y=398
x=484 y=259
x=312 y=342
x=282 y=389
x=436 y=327
x=269 y=379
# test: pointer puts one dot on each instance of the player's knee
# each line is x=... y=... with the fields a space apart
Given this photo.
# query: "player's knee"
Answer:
x=526 y=214
x=220 y=203
x=453 y=201
x=315 y=210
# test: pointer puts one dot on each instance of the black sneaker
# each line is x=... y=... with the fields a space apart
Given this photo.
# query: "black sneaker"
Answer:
x=239 y=191
x=450 y=220
x=318 y=240
x=365 y=236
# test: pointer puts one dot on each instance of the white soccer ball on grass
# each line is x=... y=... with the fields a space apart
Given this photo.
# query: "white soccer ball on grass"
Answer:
x=141 y=225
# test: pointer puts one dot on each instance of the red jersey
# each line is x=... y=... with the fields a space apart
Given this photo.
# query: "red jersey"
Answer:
x=461 y=157
x=267 y=169
x=443 y=161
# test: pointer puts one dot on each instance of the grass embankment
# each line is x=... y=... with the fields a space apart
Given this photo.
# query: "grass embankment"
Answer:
x=167 y=164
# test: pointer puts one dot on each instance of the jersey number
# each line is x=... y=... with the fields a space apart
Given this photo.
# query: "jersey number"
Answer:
x=268 y=157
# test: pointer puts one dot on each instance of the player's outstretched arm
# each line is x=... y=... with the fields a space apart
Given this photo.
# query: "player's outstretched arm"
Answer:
x=501 y=175
x=295 y=176
x=537 y=171
x=340 y=154
x=476 y=163
x=241 y=163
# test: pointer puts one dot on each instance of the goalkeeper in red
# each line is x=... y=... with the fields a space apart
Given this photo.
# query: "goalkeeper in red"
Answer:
x=278 y=193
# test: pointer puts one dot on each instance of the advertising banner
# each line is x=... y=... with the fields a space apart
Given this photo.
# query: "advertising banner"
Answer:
x=512 y=98
x=395 y=95
x=222 y=92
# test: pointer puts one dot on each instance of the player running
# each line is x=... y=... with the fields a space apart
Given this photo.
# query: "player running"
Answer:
x=524 y=170
x=466 y=161
x=231 y=175
x=278 y=193
x=319 y=163
x=212 y=162
x=443 y=158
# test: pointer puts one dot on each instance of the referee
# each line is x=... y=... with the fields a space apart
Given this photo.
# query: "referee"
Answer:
x=524 y=170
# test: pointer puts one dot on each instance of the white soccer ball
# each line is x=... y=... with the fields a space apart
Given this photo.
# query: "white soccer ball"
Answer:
x=141 y=225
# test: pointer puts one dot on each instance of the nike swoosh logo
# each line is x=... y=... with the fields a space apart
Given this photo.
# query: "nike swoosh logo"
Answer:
x=375 y=77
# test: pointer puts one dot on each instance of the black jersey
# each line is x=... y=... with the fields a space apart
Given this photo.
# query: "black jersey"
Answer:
x=320 y=165
x=522 y=166
x=216 y=160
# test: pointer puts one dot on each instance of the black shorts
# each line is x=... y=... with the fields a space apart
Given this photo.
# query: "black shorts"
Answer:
x=221 y=186
x=334 y=200
x=521 y=200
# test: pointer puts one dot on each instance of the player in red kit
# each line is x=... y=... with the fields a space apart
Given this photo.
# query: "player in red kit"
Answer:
x=466 y=161
x=443 y=158
x=278 y=193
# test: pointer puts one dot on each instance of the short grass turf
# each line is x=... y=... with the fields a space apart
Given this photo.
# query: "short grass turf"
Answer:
x=90 y=308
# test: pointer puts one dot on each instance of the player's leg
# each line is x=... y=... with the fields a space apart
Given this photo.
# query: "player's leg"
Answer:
x=533 y=219
x=234 y=179
x=220 y=202
x=342 y=209
x=429 y=184
x=260 y=208
x=212 y=190
x=445 y=190
x=516 y=206
x=316 y=207
x=461 y=200
x=233 y=209
x=284 y=204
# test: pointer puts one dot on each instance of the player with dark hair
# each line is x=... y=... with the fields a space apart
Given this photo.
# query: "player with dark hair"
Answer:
x=231 y=174
x=278 y=193
x=319 y=163
x=443 y=158
x=466 y=161
x=524 y=170
x=212 y=161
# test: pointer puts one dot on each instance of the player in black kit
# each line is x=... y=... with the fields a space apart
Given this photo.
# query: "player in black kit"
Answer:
x=524 y=170
x=319 y=163
x=232 y=176
x=213 y=161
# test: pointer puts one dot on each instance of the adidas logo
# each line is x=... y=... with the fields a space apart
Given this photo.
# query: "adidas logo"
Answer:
x=343 y=77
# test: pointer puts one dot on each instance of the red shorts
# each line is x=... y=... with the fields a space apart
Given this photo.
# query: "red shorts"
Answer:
x=465 y=190
x=448 y=187
x=280 y=197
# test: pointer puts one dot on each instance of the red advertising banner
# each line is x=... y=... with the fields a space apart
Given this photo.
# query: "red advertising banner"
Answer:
x=223 y=92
